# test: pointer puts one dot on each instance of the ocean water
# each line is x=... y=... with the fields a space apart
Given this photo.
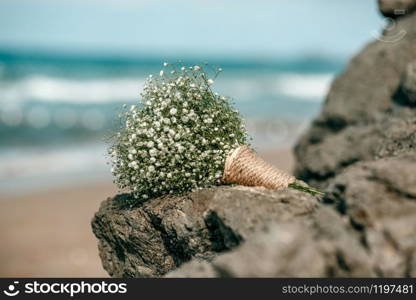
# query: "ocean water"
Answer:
x=56 y=110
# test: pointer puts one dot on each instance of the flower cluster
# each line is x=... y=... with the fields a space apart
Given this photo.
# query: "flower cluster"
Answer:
x=178 y=137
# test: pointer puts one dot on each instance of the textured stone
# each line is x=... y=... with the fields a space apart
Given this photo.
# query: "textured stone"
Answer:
x=159 y=235
x=323 y=245
x=362 y=148
x=407 y=93
x=365 y=109
x=396 y=8
x=379 y=198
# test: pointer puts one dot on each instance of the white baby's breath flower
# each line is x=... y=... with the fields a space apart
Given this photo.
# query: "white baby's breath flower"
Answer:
x=150 y=144
x=153 y=152
x=182 y=130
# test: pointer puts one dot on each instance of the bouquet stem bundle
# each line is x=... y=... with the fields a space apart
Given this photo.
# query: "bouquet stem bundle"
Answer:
x=243 y=166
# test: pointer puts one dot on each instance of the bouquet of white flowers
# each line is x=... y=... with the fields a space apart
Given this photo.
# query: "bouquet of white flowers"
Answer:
x=183 y=136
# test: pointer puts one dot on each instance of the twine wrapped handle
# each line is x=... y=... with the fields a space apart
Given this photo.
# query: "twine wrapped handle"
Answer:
x=243 y=166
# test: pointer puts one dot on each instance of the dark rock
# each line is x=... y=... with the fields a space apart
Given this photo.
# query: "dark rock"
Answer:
x=407 y=93
x=366 y=107
x=324 y=160
x=369 y=192
x=394 y=246
x=379 y=198
x=396 y=8
x=159 y=235
x=323 y=245
x=373 y=235
x=362 y=148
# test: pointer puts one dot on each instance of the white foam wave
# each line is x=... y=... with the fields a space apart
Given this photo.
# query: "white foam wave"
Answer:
x=309 y=87
x=305 y=86
x=33 y=162
x=242 y=88
x=50 y=89
x=23 y=170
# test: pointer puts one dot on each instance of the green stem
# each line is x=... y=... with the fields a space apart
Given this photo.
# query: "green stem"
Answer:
x=306 y=189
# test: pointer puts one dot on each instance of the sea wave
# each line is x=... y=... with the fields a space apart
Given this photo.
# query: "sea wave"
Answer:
x=311 y=87
x=37 y=161
x=27 y=169
x=51 y=89
x=304 y=86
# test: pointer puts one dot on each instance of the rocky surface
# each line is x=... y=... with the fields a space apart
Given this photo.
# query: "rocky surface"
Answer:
x=321 y=245
x=362 y=147
x=361 y=150
x=408 y=86
x=379 y=198
x=396 y=8
x=159 y=235
x=370 y=233
x=369 y=106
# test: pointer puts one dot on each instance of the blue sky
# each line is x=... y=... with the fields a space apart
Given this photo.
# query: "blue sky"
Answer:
x=201 y=28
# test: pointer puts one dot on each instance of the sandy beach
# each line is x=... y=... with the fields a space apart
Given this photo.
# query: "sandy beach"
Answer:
x=48 y=233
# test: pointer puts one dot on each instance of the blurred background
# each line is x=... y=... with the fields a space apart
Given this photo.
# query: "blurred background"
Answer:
x=67 y=66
